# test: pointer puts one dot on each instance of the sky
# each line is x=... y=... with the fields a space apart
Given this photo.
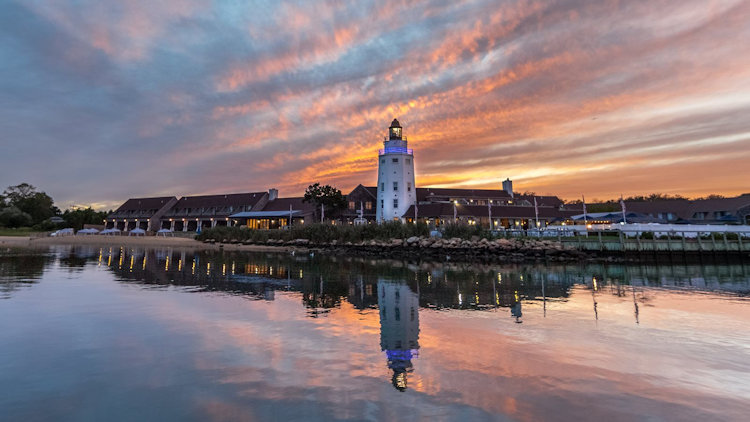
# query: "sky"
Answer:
x=101 y=101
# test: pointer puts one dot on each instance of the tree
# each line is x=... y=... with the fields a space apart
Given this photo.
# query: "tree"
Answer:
x=13 y=217
x=326 y=195
x=76 y=218
x=25 y=197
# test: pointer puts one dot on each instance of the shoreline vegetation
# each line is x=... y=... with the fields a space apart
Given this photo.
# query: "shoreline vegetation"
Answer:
x=388 y=240
x=392 y=240
x=396 y=240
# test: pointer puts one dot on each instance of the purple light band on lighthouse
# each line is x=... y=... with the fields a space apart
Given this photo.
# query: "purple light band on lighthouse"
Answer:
x=396 y=150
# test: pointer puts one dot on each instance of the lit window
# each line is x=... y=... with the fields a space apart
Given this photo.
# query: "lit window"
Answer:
x=368 y=205
x=395 y=186
x=351 y=205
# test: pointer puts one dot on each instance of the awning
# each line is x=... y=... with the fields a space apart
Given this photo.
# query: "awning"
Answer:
x=264 y=214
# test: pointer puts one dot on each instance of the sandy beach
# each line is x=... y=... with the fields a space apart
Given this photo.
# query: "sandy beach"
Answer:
x=147 y=241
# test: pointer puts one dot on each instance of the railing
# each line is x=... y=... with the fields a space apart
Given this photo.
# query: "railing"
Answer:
x=669 y=241
x=396 y=150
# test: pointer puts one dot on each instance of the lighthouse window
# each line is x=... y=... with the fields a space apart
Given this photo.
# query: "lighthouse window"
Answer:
x=395 y=186
x=408 y=161
x=408 y=186
x=395 y=203
x=395 y=160
x=382 y=203
x=382 y=161
x=382 y=185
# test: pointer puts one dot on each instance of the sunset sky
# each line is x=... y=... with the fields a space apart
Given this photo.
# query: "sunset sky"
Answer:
x=105 y=100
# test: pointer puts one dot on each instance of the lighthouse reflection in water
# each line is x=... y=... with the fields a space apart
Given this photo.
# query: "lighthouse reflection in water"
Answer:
x=399 y=328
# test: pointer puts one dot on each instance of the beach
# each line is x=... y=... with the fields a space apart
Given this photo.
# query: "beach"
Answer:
x=144 y=241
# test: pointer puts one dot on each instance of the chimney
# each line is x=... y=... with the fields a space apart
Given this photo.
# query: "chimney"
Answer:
x=273 y=193
x=508 y=187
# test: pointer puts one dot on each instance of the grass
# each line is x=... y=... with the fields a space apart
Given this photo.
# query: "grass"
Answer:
x=21 y=231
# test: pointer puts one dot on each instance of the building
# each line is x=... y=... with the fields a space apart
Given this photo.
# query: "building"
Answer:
x=362 y=201
x=613 y=217
x=735 y=210
x=212 y=210
x=463 y=196
x=395 y=189
x=495 y=217
x=277 y=213
x=398 y=198
x=141 y=213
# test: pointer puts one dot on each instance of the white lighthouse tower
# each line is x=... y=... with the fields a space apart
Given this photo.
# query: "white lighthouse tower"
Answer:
x=396 y=191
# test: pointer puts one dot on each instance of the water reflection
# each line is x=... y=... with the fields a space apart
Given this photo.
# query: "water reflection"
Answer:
x=532 y=342
x=327 y=281
x=19 y=269
x=399 y=328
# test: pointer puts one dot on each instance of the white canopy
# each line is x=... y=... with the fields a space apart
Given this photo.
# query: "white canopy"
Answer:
x=137 y=232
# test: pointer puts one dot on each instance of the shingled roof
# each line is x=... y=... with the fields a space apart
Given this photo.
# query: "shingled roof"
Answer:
x=498 y=211
x=143 y=204
x=225 y=200
x=282 y=204
x=427 y=194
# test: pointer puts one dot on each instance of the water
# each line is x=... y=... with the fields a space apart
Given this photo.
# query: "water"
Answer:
x=91 y=334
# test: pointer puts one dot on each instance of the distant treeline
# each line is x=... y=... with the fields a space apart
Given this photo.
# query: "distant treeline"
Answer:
x=23 y=206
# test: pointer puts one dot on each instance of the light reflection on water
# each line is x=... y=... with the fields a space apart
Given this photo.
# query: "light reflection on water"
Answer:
x=178 y=334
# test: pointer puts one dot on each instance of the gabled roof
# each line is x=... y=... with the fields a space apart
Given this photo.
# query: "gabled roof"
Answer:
x=226 y=200
x=687 y=208
x=143 y=204
x=283 y=204
x=424 y=194
x=370 y=190
x=498 y=211
x=541 y=200
x=679 y=207
x=721 y=204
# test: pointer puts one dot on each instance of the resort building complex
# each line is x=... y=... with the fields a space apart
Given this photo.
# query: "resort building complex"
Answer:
x=396 y=197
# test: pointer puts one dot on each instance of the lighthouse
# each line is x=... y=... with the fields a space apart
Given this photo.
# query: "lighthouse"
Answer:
x=399 y=328
x=396 y=191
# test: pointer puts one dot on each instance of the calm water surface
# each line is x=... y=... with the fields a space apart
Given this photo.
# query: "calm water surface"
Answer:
x=92 y=334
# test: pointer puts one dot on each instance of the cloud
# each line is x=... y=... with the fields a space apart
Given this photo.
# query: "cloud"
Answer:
x=107 y=101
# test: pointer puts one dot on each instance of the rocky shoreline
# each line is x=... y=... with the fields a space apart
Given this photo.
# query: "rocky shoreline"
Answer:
x=430 y=248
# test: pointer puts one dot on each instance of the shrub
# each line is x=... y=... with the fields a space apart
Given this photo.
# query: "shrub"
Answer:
x=465 y=231
x=320 y=233
x=13 y=217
